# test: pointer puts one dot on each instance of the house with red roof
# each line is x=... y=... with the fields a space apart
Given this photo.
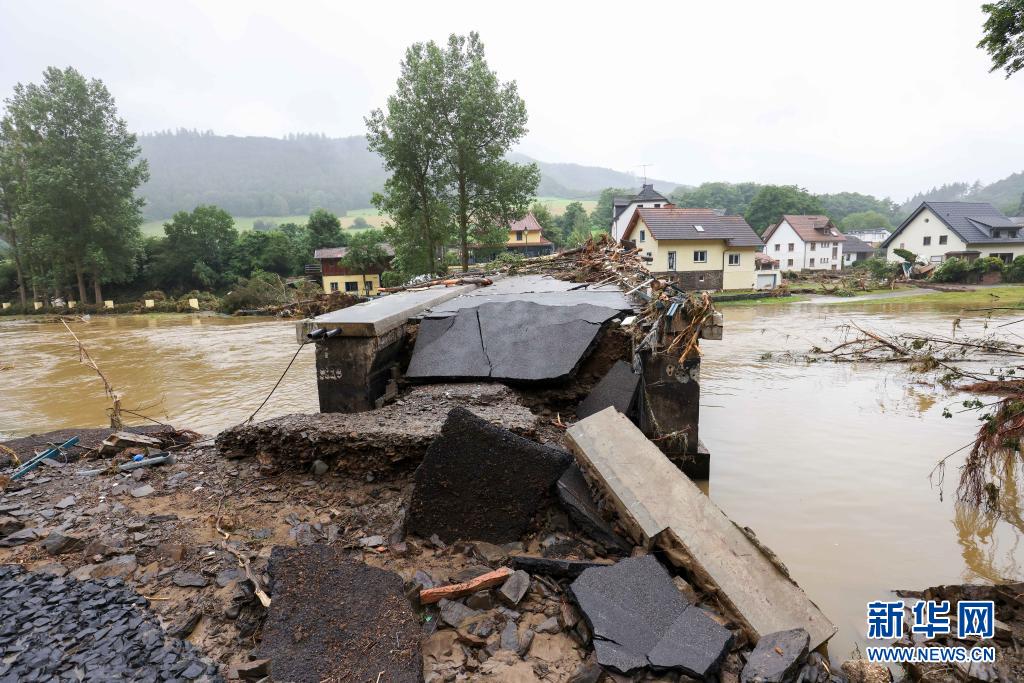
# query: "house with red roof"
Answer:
x=803 y=242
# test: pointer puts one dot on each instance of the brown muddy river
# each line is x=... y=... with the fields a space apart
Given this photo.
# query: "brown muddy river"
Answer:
x=828 y=463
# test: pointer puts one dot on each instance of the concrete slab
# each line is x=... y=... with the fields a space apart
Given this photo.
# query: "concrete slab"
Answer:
x=516 y=341
x=479 y=482
x=616 y=389
x=384 y=313
x=661 y=506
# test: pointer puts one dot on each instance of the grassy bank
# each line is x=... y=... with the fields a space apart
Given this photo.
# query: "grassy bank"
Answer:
x=767 y=301
x=1005 y=296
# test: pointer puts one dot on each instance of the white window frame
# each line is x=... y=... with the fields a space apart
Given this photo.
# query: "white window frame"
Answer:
x=734 y=256
x=672 y=261
x=700 y=256
x=643 y=236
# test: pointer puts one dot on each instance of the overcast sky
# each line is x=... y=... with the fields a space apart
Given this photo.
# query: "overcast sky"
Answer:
x=881 y=97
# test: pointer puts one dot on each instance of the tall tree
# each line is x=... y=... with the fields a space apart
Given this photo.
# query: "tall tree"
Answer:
x=573 y=226
x=199 y=249
x=12 y=171
x=1004 y=35
x=732 y=198
x=81 y=170
x=864 y=220
x=772 y=201
x=483 y=119
x=415 y=195
x=602 y=214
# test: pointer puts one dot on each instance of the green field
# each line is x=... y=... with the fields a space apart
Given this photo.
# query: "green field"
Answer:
x=556 y=205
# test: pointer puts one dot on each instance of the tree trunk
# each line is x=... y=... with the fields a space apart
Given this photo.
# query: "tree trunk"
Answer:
x=98 y=289
x=17 y=265
x=464 y=223
x=82 y=298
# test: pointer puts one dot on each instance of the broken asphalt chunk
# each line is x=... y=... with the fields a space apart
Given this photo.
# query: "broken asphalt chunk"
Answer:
x=575 y=496
x=639 y=619
x=777 y=657
x=515 y=588
x=335 y=619
x=481 y=482
x=487 y=342
x=617 y=389
x=559 y=568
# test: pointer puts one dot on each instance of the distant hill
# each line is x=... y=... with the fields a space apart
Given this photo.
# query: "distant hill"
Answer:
x=1006 y=195
x=257 y=176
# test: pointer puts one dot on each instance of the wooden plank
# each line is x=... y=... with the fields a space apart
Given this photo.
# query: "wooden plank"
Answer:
x=661 y=506
x=457 y=590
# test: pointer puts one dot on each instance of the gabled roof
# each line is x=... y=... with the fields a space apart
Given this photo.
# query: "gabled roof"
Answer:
x=528 y=222
x=855 y=245
x=972 y=222
x=339 y=252
x=809 y=228
x=647 y=194
x=675 y=223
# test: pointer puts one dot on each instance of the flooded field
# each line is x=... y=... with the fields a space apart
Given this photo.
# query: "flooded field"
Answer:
x=828 y=463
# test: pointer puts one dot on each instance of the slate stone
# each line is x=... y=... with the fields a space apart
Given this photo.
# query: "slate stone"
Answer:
x=617 y=389
x=306 y=582
x=189 y=579
x=629 y=606
x=510 y=637
x=121 y=566
x=19 y=538
x=695 y=644
x=777 y=657
x=576 y=498
x=549 y=625
x=515 y=588
x=488 y=342
x=58 y=544
x=65 y=503
x=455 y=613
x=9 y=525
x=550 y=566
x=481 y=482
x=143 y=491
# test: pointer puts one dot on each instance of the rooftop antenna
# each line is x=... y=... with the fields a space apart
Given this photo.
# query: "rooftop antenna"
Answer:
x=644 y=167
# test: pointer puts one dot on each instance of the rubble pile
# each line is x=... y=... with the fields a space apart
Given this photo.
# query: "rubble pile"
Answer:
x=59 y=628
x=379 y=441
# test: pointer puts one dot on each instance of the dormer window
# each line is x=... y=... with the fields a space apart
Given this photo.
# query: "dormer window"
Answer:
x=699 y=228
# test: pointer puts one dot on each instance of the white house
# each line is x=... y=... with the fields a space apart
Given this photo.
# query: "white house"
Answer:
x=936 y=231
x=623 y=208
x=805 y=243
x=855 y=249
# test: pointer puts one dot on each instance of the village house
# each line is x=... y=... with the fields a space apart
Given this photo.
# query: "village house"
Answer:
x=805 y=243
x=624 y=207
x=337 y=278
x=698 y=248
x=855 y=250
x=525 y=237
x=768 y=275
x=874 y=237
x=936 y=231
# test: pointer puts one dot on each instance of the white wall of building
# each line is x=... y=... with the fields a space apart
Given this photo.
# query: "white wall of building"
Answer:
x=620 y=224
x=927 y=225
x=804 y=255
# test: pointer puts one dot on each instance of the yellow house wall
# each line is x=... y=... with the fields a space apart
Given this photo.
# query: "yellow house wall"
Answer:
x=358 y=279
x=741 y=276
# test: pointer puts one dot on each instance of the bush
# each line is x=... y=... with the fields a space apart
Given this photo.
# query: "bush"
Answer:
x=989 y=264
x=261 y=290
x=879 y=268
x=906 y=255
x=1015 y=271
x=155 y=295
x=952 y=270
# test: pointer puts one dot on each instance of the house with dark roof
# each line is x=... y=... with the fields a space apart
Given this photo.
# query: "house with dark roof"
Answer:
x=624 y=207
x=856 y=249
x=698 y=248
x=936 y=231
x=803 y=242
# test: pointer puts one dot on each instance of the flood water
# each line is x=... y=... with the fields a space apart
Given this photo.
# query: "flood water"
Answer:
x=828 y=463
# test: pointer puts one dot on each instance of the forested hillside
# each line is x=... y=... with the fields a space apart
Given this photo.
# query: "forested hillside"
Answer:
x=251 y=176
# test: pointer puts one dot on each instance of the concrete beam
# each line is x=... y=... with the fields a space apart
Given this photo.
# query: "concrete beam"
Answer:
x=660 y=506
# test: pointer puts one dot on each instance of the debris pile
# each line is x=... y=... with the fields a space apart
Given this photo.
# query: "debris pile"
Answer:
x=59 y=628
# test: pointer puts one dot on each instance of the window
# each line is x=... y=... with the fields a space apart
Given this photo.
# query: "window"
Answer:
x=789 y=263
x=369 y=285
x=352 y=287
x=927 y=241
x=811 y=263
x=936 y=259
x=822 y=260
x=734 y=259
x=657 y=206
x=519 y=235
x=699 y=228
x=671 y=260
x=814 y=245
x=943 y=239
x=790 y=246
x=643 y=236
x=334 y=286
x=778 y=247
x=700 y=256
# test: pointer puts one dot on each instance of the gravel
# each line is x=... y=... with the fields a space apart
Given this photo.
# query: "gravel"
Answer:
x=58 y=628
